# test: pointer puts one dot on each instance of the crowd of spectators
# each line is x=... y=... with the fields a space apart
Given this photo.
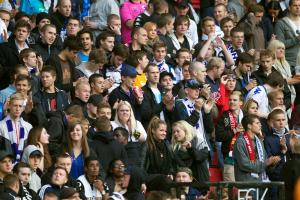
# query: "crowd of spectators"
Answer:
x=116 y=99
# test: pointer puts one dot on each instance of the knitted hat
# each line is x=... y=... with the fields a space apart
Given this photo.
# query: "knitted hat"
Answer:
x=41 y=16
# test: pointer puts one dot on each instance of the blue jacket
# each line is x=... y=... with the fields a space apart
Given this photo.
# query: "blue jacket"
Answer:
x=272 y=146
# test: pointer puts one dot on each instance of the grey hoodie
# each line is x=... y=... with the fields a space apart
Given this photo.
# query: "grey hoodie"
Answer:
x=35 y=180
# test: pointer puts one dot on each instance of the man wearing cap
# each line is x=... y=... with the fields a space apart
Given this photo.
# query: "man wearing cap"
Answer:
x=166 y=81
x=6 y=165
x=196 y=111
x=185 y=175
x=33 y=156
x=124 y=92
x=13 y=129
x=157 y=101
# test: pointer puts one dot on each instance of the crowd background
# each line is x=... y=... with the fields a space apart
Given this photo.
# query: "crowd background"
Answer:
x=113 y=99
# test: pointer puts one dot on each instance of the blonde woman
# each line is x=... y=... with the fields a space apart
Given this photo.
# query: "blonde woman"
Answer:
x=282 y=66
x=188 y=150
x=151 y=32
x=125 y=118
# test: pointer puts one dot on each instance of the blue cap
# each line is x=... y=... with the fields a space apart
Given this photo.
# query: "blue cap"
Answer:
x=128 y=70
x=192 y=83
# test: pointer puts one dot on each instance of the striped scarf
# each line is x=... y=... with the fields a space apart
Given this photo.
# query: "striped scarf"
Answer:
x=17 y=138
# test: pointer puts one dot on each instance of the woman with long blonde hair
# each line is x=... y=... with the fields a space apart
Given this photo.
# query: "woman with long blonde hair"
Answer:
x=188 y=150
x=125 y=118
x=282 y=66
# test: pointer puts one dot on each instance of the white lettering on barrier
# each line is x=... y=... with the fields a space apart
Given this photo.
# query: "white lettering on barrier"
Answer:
x=245 y=194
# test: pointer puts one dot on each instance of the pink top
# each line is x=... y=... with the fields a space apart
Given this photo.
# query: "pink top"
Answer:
x=129 y=11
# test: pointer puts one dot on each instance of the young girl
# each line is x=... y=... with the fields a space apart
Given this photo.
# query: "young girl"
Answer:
x=158 y=157
x=39 y=137
x=188 y=151
x=125 y=118
x=77 y=147
x=152 y=34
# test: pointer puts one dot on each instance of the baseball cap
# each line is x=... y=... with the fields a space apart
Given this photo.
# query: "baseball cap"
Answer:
x=128 y=70
x=186 y=170
x=4 y=154
x=36 y=153
x=165 y=73
x=192 y=83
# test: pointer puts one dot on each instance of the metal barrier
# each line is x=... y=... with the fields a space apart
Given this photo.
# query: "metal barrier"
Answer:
x=230 y=185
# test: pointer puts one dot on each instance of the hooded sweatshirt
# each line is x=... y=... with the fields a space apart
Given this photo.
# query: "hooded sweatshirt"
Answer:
x=107 y=148
x=35 y=180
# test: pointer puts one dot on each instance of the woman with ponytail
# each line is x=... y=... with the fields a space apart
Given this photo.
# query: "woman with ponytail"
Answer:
x=157 y=155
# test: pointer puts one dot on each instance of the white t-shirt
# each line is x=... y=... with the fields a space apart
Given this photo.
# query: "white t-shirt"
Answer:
x=260 y=95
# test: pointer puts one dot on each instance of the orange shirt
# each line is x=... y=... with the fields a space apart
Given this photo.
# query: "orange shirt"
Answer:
x=140 y=80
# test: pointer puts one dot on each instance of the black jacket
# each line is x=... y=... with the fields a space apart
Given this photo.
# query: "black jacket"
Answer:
x=290 y=174
x=82 y=104
x=152 y=165
x=59 y=21
x=107 y=149
x=56 y=127
x=196 y=159
x=224 y=133
x=27 y=194
x=44 y=50
x=134 y=186
x=119 y=94
x=9 y=58
x=151 y=108
x=8 y=194
x=62 y=100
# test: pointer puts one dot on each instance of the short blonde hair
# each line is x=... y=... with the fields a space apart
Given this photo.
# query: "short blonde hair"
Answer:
x=16 y=96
